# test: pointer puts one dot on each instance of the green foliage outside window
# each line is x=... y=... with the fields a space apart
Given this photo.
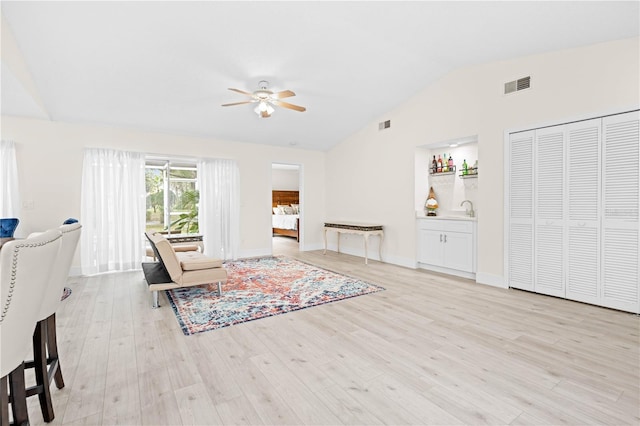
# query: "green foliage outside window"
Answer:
x=187 y=223
x=178 y=211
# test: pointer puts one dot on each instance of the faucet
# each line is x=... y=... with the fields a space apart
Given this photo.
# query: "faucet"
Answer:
x=470 y=212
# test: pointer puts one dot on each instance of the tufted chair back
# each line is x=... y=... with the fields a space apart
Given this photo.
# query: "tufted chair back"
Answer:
x=25 y=268
x=60 y=272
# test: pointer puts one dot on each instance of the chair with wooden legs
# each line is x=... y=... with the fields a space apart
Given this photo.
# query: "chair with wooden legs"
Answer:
x=25 y=268
x=45 y=346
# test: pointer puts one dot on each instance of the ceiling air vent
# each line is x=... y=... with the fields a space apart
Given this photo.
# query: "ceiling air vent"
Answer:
x=384 y=125
x=517 y=85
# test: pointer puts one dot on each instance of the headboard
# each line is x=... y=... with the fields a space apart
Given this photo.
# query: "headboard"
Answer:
x=285 y=198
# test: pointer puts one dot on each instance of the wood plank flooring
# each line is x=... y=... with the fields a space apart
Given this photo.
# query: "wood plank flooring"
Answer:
x=431 y=349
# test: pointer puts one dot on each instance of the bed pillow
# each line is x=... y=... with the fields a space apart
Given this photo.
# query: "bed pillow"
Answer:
x=277 y=210
x=288 y=210
x=296 y=208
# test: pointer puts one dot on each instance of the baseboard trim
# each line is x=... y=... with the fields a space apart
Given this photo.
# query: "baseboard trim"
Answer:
x=448 y=271
x=245 y=254
x=491 y=280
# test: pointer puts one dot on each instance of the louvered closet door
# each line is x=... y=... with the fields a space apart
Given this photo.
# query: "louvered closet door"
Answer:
x=520 y=250
x=620 y=225
x=583 y=209
x=549 y=211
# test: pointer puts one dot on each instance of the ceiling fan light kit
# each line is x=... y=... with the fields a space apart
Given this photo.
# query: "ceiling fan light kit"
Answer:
x=266 y=100
x=264 y=109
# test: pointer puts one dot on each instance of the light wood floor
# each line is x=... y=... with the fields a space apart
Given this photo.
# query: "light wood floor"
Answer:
x=431 y=349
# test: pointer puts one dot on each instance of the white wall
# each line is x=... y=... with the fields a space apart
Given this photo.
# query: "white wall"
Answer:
x=285 y=180
x=50 y=154
x=370 y=176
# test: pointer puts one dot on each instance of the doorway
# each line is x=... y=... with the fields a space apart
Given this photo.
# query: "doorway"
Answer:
x=286 y=208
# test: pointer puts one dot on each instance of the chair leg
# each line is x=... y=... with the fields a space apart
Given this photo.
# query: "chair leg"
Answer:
x=219 y=288
x=42 y=370
x=4 y=400
x=52 y=347
x=18 y=396
x=155 y=299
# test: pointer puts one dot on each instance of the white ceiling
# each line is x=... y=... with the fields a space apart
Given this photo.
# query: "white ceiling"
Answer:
x=166 y=66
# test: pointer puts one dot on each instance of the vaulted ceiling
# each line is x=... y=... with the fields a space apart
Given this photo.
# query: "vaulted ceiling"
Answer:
x=166 y=66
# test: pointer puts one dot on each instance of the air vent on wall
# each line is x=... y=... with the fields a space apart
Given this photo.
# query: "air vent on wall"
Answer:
x=517 y=85
x=384 y=125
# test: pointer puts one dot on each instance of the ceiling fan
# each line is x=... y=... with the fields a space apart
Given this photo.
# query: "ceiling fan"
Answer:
x=266 y=100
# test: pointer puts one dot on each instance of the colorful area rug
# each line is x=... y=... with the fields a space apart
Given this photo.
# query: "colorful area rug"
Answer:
x=258 y=288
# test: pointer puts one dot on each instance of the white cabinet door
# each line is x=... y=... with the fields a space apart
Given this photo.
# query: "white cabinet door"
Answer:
x=430 y=243
x=520 y=241
x=458 y=251
x=549 y=210
x=620 y=221
x=583 y=188
x=574 y=211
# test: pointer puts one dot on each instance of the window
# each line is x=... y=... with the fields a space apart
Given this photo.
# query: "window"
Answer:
x=172 y=196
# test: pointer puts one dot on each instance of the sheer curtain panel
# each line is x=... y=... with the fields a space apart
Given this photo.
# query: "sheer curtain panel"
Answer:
x=112 y=210
x=219 y=207
x=9 y=192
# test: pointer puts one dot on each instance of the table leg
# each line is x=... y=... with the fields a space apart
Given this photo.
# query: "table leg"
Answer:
x=325 y=241
x=366 y=245
x=338 y=232
x=380 y=247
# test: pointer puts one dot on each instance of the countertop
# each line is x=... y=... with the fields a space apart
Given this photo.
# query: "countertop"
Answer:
x=447 y=217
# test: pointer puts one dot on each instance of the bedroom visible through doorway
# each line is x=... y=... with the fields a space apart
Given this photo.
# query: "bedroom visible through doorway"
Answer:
x=286 y=208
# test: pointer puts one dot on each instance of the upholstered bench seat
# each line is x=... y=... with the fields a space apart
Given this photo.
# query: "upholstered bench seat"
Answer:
x=193 y=260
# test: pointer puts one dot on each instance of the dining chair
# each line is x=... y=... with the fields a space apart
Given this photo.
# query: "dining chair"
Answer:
x=25 y=267
x=46 y=363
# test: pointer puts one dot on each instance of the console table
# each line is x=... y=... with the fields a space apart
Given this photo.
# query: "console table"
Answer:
x=355 y=228
x=183 y=239
x=181 y=242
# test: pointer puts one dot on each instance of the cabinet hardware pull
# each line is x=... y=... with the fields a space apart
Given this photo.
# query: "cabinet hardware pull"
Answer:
x=440 y=237
x=445 y=238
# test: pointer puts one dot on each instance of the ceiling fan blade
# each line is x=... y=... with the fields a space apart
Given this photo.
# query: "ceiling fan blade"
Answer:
x=240 y=103
x=241 y=91
x=283 y=94
x=288 y=105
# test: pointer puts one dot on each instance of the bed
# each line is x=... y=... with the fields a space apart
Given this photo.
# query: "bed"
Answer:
x=286 y=221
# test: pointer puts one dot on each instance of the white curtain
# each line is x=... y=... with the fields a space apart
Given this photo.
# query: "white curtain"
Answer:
x=112 y=211
x=219 y=207
x=9 y=192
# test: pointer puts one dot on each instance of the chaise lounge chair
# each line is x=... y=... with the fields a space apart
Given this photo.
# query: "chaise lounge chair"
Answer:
x=179 y=269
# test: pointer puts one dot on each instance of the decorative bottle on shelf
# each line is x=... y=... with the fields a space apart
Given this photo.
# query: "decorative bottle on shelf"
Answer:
x=434 y=165
x=475 y=168
x=450 y=163
x=445 y=165
x=465 y=167
x=439 y=169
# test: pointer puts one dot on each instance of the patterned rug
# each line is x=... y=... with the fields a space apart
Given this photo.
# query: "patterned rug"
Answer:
x=259 y=288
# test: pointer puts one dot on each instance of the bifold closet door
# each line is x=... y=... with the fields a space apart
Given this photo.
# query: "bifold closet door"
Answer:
x=549 y=211
x=583 y=209
x=520 y=239
x=620 y=218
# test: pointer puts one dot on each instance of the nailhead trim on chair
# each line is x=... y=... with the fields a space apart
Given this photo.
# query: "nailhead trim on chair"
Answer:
x=14 y=270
